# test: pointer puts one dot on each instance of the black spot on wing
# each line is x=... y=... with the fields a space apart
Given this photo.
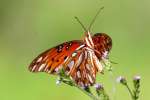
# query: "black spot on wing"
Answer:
x=59 y=48
x=65 y=57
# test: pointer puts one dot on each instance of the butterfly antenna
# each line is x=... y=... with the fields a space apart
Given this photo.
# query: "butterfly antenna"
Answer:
x=80 y=23
x=95 y=17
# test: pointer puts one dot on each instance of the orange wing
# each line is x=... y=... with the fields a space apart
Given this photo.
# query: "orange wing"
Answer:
x=76 y=59
x=52 y=60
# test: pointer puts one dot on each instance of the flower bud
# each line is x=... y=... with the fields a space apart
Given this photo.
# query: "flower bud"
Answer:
x=98 y=86
x=122 y=80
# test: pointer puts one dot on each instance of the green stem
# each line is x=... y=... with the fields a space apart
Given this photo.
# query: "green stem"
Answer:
x=130 y=92
x=69 y=82
x=87 y=93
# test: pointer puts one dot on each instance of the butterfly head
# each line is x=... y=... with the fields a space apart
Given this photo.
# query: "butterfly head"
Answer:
x=102 y=44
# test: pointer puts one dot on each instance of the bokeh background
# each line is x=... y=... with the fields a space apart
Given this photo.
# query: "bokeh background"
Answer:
x=28 y=27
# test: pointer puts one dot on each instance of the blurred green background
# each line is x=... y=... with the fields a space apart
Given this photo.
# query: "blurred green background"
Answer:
x=28 y=27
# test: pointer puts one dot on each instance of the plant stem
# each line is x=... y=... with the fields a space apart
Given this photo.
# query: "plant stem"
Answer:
x=130 y=92
x=87 y=93
x=69 y=82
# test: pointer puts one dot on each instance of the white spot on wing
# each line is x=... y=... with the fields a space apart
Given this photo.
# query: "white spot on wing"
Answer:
x=91 y=57
x=78 y=74
x=46 y=67
x=57 y=69
x=88 y=66
x=71 y=64
x=66 y=59
x=97 y=63
x=74 y=54
x=49 y=71
x=80 y=47
x=90 y=78
x=80 y=59
x=40 y=59
x=41 y=67
x=34 y=67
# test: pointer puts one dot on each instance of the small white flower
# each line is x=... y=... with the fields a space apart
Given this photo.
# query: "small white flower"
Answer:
x=58 y=82
x=122 y=80
x=98 y=86
x=137 y=78
x=119 y=79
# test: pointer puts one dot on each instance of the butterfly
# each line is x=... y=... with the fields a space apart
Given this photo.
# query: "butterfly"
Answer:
x=80 y=59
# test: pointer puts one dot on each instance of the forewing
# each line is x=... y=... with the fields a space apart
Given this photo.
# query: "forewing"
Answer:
x=52 y=60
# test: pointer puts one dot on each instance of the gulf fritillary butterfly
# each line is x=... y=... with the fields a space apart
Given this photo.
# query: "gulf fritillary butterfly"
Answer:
x=80 y=59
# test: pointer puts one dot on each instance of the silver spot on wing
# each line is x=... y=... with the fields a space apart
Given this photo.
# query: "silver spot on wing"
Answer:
x=78 y=74
x=41 y=67
x=74 y=54
x=34 y=67
x=71 y=64
x=90 y=78
x=88 y=66
x=80 y=59
x=40 y=59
